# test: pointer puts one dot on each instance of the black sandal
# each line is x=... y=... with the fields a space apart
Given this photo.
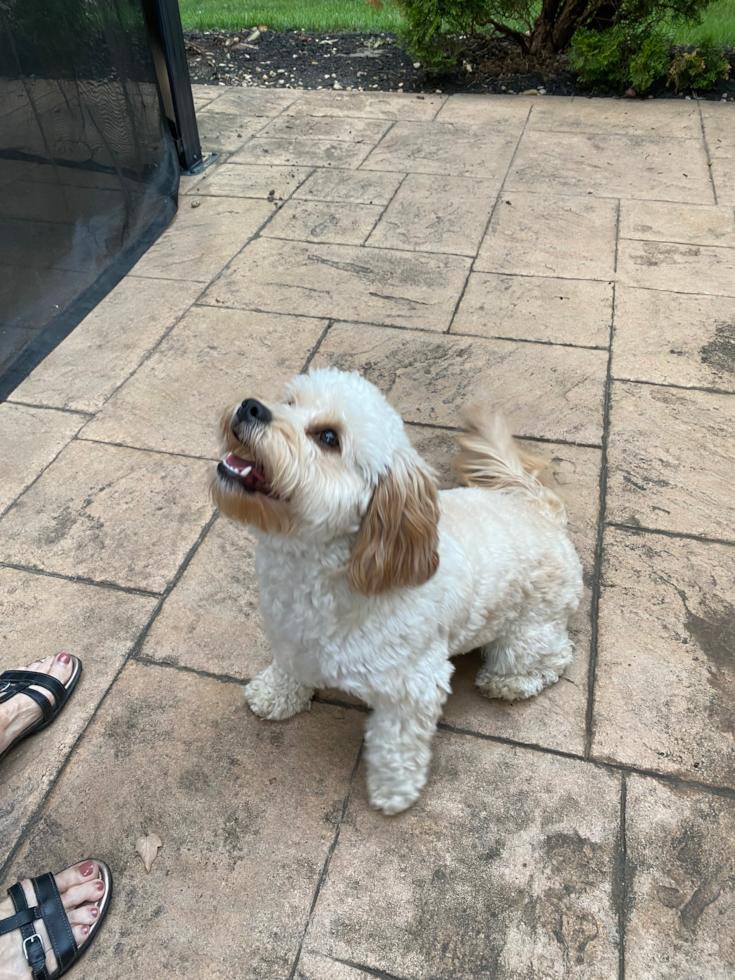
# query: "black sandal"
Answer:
x=14 y=682
x=50 y=908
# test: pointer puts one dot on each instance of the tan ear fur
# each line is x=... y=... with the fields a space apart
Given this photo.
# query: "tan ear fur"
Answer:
x=398 y=541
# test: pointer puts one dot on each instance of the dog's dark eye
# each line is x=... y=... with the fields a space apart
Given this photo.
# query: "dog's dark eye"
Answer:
x=328 y=438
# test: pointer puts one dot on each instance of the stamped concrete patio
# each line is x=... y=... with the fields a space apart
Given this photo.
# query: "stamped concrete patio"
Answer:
x=572 y=263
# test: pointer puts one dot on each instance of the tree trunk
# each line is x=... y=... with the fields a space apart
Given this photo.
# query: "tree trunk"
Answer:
x=543 y=30
x=556 y=25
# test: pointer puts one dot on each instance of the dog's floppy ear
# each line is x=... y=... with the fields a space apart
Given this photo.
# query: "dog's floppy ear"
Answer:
x=398 y=540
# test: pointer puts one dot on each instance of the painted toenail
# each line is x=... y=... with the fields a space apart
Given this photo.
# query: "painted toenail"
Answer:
x=94 y=912
x=85 y=930
x=100 y=885
x=64 y=658
x=86 y=869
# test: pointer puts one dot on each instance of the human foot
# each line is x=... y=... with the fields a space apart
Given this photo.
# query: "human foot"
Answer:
x=21 y=711
x=84 y=896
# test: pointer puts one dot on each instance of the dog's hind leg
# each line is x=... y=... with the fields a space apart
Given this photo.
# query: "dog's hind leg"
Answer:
x=525 y=661
x=274 y=695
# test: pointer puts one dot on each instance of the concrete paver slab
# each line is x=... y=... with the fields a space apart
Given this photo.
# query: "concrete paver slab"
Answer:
x=109 y=514
x=484 y=876
x=534 y=235
x=544 y=391
x=717 y=122
x=686 y=268
x=670 y=456
x=680 y=870
x=493 y=111
x=312 y=966
x=674 y=338
x=303 y=152
x=84 y=370
x=378 y=105
x=349 y=186
x=240 y=180
x=254 y=103
x=665 y=690
x=453 y=149
x=323 y=221
x=662 y=221
x=379 y=285
x=245 y=838
x=723 y=178
x=224 y=131
x=613 y=117
x=212 y=358
x=42 y=616
x=299 y=124
x=30 y=438
x=202 y=240
x=437 y=214
x=637 y=167
x=556 y=311
x=210 y=621
x=204 y=95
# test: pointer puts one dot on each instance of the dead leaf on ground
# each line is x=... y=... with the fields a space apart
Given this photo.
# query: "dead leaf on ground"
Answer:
x=148 y=848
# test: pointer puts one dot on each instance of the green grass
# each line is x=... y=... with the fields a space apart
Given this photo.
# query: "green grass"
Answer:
x=288 y=15
x=718 y=25
x=354 y=15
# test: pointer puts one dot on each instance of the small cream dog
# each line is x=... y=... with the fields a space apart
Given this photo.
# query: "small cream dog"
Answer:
x=370 y=579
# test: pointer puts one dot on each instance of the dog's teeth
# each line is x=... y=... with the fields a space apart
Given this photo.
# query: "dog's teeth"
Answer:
x=233 y=469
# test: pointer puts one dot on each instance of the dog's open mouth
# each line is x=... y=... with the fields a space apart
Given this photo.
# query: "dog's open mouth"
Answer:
x=246 y=473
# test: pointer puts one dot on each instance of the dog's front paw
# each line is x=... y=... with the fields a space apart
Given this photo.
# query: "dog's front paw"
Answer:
x=393 y=801
x=276 y=696
x=396 y=790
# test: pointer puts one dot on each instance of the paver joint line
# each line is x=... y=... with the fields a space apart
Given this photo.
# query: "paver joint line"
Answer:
x=81 y=580
x=138 y=645
x=487 y=224
x=554 y=442
x=33 y=482
x=637 y=529
x=371 y=972
x=197 y=672
x=706 y=150
x=709 y=789
x=49 y=408
x=366 y=242
x=597 y=573
x=668 y=384
x=327 y=861
x=142 y=449
x=620 y=881
x=315 y=349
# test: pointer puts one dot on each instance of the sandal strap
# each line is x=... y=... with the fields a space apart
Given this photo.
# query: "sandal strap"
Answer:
x=14 y=682
x=33 y=947
x=19 y=920
x=48 y=710
x=55 y=920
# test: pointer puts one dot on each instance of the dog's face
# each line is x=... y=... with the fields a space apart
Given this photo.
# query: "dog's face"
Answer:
x=331 y=459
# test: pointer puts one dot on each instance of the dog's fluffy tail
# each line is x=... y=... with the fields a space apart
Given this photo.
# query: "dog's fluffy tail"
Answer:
x=491 y=458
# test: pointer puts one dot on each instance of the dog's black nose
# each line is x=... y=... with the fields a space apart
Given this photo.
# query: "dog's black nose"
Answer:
x=252 y=410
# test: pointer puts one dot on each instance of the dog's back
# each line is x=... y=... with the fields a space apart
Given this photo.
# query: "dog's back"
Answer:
x=490 y=458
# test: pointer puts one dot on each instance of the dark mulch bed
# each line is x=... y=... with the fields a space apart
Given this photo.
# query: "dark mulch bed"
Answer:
x=374 y=62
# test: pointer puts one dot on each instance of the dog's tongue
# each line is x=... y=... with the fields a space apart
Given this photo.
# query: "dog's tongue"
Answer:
x=235 y=463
